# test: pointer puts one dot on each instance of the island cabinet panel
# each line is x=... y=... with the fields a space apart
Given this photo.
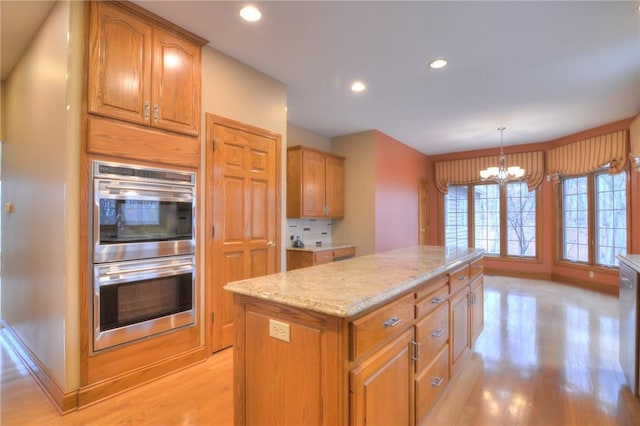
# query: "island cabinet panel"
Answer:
x=141 y=72
x=376 y=363
x=476 y=307
x=300 y=353
x=288 y=367
x=380 y=387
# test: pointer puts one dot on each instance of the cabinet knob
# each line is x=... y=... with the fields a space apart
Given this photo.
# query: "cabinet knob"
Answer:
x=462 y=278
x=437 y=333
x=436 y=300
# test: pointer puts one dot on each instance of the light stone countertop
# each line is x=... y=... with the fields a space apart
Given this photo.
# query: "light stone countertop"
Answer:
x=327 y=247
x=347 y=288
x=632 y=260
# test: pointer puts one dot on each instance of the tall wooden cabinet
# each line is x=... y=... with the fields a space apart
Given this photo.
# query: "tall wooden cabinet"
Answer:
x=142 y=73
x=315 y=184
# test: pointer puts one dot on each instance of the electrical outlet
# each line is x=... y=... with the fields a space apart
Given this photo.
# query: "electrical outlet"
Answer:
x=591 y=274
x=279 y=330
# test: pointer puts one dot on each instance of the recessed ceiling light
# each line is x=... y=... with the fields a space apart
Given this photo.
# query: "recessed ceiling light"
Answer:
x=358 y=86
x=438 y=63
x=250 y=14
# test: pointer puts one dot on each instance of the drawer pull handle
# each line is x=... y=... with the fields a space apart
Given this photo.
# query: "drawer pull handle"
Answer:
x=437 y=333
x=437 y=381
x=436 y=300
x=462 y=278
x=478 y=267
x=391 y=322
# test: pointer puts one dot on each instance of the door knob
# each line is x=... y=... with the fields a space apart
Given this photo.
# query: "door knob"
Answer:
x=271 y=244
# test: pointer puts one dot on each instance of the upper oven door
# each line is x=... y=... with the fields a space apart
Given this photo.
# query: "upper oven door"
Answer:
x=138 y=220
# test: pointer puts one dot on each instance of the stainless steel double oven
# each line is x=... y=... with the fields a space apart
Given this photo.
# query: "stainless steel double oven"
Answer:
x=143 y=244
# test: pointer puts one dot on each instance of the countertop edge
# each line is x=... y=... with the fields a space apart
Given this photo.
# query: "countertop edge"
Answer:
x=633 y=260
x=356 y=308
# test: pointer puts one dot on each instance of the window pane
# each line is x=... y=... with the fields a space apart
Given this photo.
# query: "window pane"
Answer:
x=575 y=236
x=611 y=218
x=456 y=227
x=487 y=218
x=521 y=220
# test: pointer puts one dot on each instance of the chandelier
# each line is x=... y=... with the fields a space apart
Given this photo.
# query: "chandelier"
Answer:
x=502 y=174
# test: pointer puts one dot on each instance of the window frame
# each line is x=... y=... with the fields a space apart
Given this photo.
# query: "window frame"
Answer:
x=591 y=221
x=503 y=222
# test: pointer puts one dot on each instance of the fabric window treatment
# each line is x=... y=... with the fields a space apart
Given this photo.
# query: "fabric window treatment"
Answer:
x=634 y=141
x=467 y=170
x=589 y=155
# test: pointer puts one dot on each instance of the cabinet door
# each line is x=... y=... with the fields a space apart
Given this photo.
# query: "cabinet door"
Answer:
x=381 y=386
x=176 y=83
x=334 y=192
x=119 y=64
x=477 y=307
x=313 y=184
x=459 y=326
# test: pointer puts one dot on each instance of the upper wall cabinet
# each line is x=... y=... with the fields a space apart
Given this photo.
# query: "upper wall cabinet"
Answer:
x=141 y=71
x=315 y=184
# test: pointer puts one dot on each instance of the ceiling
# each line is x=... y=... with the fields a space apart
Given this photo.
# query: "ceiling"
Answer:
x=543 y=69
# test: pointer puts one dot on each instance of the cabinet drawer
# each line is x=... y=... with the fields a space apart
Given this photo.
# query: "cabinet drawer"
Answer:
x=459 y=278
x=431 y=383
x=432 y=333
x=344 y=252
x=431 y=286
x=321 y=257
x=476 y=268
x=432 y=301
x=380 y=325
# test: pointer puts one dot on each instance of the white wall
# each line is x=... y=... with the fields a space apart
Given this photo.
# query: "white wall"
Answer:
x=358 y=225
x=236 y=91
x=40 y=166
x=297 y=135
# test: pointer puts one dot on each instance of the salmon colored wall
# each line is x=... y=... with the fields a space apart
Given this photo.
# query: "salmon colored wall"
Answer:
x=546 y=267
x=399 y=170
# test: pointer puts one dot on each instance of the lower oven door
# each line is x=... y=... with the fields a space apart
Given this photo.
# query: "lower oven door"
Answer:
x=138 y=299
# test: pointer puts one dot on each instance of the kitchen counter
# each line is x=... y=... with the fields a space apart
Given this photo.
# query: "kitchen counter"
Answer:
x=347 y=288
x=374 y=339
x=314 y=248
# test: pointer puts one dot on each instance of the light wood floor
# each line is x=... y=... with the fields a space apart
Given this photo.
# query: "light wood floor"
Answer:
x=548 y=355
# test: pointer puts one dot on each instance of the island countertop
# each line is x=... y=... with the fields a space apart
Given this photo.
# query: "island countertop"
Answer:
x=345 y=289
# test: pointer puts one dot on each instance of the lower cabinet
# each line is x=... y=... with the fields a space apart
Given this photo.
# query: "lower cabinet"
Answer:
x=386 y=367
x=459 y=326
x=380 y=387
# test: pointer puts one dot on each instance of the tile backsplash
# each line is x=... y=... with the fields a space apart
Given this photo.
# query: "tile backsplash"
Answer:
x=310 y=231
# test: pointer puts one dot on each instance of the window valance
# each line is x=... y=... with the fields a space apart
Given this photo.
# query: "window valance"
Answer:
x=467 y=170
x=634 y=141
x=589 y=155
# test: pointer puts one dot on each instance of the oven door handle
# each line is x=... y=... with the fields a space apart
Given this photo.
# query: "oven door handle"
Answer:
x=158 y=270
x=141 y=188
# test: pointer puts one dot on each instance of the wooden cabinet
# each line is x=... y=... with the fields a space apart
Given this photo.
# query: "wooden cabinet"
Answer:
x=302 y=258
x=141 y=72
x=387 y=366
x=380 y=386
x=315 y=184
x=476 y=306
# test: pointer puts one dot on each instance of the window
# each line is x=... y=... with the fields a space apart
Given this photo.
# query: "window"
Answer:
x=486 y=217
x=503 y=219
x=594 y=209
x=456 y=217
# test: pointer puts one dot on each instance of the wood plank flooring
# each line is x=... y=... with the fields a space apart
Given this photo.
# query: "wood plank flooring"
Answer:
x=548 y=355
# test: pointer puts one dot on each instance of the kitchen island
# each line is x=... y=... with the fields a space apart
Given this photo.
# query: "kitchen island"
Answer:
x=629 y=295
x=376 y=337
